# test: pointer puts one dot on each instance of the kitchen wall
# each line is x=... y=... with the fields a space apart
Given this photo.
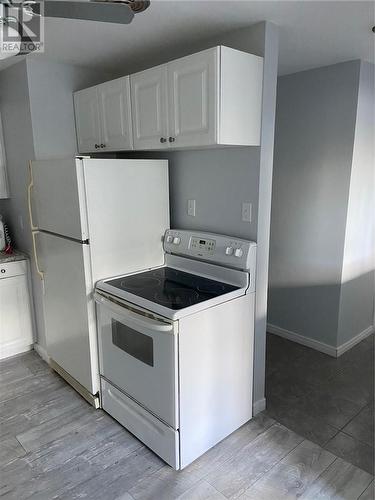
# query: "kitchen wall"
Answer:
x=38 y=120
x=19 y=149
x=227 y=177
x=50 y=89
x=221 y=179
x=311 y=226
x=19 y=146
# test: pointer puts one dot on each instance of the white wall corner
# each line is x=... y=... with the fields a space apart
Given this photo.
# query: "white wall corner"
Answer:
x=355 y=340
x=42 y=352
x=335 y=352
x=259 y=406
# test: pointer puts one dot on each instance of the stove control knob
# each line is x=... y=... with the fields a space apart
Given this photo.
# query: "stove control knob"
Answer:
x=238 y=252
x=176 y=240
x=229 y=251
x=169 y=238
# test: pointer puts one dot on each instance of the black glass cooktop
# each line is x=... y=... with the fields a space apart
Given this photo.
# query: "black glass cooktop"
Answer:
x=171 y=288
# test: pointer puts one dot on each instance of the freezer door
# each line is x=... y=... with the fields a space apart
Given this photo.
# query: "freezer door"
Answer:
x=58 y=203
x=69 y=308
x=128 y=212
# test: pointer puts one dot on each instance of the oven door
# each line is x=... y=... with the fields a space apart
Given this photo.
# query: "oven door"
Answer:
x=138 y=354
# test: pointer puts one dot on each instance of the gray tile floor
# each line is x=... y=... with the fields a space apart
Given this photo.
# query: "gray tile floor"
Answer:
x=55 y=446
x=326 y=400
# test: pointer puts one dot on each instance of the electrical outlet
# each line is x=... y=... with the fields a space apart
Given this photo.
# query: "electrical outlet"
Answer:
x=191 y=208
x=246 y=211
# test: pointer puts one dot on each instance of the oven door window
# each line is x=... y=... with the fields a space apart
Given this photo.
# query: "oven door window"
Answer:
x=134 y=343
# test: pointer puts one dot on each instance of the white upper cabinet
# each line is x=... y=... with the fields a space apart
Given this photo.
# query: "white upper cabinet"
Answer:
x=87 y=119
x=239 y=105
x=115 y=115
x=103 y=117
x=149 y=108
x=213 y=98
x=210 y=98
x=192 y=99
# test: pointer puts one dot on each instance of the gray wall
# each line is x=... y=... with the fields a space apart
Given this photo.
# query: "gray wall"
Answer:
x=356 y=313
x=219 y=180
x=314 y=145
x=37 y=107
x=51 y=102
x=19 y=148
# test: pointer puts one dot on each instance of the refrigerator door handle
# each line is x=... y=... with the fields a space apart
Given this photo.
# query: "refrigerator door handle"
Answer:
x=29 y=189
x=38 y=270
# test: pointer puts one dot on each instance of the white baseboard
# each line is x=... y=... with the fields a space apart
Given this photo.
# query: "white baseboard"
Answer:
x=14 y=348
x=300 y=339
x=259 y=406
x=335 y=352
x=42 y=352
x=354 y=341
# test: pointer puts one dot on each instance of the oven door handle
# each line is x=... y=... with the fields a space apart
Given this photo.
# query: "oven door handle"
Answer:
x=136 y=319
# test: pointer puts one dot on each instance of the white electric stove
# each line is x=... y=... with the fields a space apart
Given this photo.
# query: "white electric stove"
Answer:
x=176 y=345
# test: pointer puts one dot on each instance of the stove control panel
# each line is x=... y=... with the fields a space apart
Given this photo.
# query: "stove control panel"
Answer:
x=215 y=248
x=203 y=246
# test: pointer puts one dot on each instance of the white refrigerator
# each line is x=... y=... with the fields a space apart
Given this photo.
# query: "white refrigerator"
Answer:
x=91 y=219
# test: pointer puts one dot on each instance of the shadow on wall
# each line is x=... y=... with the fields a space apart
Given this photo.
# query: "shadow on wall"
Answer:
x=328 y=313
x=220 y=180
x=357 y=302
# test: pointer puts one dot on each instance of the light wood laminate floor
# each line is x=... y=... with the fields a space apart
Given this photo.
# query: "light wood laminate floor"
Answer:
x=54 y=445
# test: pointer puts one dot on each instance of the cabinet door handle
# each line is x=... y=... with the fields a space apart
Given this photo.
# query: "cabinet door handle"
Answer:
x=163 y=140
x=171 y=139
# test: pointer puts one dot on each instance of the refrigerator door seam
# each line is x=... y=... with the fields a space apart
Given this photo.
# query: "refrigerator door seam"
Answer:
x=63 y=236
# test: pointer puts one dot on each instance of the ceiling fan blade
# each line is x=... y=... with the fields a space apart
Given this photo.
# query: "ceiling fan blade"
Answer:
x=27 y=44
x=89 y=11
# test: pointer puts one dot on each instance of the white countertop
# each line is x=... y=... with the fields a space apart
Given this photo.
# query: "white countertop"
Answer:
x=16 y=255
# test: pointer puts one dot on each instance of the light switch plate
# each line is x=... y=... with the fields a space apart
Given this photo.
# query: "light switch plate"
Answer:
x=191 y=208
x=246 y=211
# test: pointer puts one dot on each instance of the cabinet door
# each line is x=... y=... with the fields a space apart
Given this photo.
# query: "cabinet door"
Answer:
x=114 y=113
x=86 y=107
x=15 y=316
x=149 y=108
x=193 y=96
